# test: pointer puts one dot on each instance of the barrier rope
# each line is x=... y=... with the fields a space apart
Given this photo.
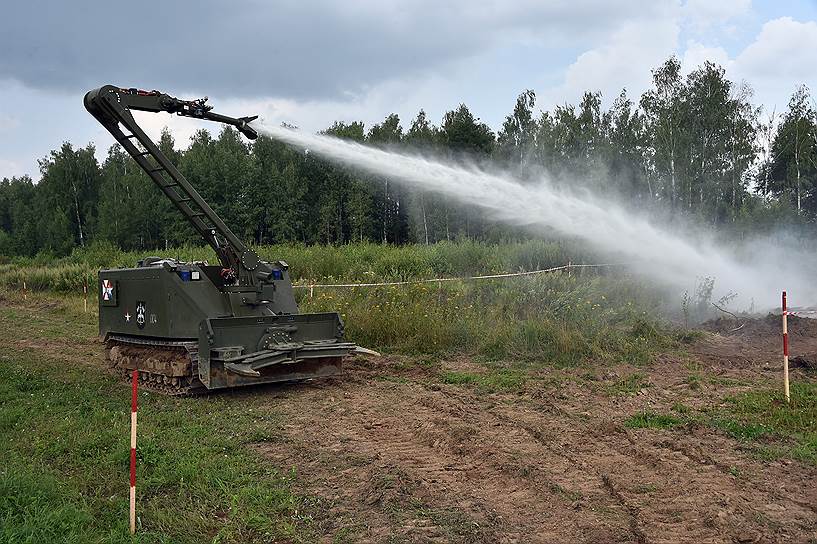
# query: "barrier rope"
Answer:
x=311 y=286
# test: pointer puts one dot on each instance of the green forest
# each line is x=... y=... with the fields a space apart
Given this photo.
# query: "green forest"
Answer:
x=694 y=144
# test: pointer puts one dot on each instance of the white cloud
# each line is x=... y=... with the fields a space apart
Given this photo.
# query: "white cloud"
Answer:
x=8 y=122
x=703 y=14
x=697 y=53
x=623 y=60
x=182 y=128
x=781 y=57
x=10 y=169
x=785 y=48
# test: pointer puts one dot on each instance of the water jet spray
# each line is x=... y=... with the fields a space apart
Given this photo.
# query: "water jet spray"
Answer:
x=670 y=258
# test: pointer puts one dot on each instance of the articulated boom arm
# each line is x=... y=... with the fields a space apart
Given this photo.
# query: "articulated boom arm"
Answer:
x=112 y=107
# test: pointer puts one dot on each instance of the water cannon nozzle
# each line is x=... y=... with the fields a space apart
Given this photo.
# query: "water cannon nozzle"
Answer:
x=244 y=127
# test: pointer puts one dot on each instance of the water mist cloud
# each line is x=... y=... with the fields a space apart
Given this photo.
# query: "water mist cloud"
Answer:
x=670 y=258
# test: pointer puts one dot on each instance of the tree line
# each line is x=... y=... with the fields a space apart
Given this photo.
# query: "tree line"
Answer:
x=693 y=144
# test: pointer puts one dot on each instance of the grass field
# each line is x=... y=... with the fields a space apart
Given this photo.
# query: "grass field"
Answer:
x=508 y=343
x=66 y=439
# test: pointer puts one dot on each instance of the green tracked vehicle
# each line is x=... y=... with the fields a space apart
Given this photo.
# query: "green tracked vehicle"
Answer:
x=196 y=326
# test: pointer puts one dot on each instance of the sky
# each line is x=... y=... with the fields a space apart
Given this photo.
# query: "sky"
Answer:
x=311 y=63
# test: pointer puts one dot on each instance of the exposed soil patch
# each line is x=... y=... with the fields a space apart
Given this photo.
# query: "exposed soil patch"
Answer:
x=756 y=344
x=393 y=455
x=85 y=351
x=806 y=362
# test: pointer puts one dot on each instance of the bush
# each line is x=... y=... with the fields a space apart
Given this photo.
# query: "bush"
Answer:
x=548 y=318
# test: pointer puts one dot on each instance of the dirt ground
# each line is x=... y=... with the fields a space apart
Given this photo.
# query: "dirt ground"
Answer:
x=394 y=455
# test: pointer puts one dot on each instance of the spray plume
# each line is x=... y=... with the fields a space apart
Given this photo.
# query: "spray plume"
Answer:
x=654 y=252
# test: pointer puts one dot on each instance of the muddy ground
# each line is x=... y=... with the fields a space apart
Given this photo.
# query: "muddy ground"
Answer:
x=392 y=454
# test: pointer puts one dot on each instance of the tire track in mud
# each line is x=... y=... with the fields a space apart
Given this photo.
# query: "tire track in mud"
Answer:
x=423 y=462
x=459 y=455
x=666 y=479
x=635 y=528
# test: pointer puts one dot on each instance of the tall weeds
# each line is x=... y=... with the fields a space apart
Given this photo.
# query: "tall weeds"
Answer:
x=563 y=318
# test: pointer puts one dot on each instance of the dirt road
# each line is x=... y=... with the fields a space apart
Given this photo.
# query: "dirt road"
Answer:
x=391 y=454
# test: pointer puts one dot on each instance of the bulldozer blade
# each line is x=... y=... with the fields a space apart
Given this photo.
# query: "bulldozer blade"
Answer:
x=237 y=351
x=366 y=351
x=242 y=370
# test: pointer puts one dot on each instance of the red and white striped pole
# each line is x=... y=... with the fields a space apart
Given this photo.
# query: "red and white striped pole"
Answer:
x=785 y=350
x=135 y=380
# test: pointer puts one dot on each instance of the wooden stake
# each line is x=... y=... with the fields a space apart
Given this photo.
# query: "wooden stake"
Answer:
x=25 y=294
x=311 y=291
x=135 y=380
x=785 y=350
x=85 y=295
